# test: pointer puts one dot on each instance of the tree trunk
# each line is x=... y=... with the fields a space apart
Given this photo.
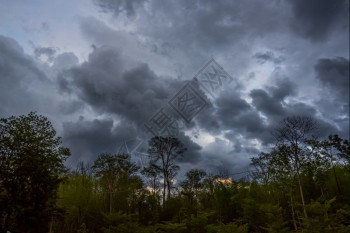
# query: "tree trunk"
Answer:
x=164 y=188
x=6 y=221
x=168 y=184
x=293 y=213
x=301 y=194
x=336 y=180
x=51 y=224
x=110 y=198
x=298 y=176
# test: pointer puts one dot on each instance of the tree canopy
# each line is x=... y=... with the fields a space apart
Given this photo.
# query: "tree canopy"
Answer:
x=300 y=185
x=31 y=168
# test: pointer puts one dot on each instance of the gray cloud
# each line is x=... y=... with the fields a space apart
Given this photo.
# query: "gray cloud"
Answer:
x=234 y=112
x=49 y=52
x=266 y=103
x=70 y=107
x=18 y=72
x=315 y=19
x=271 y=103
x=268 y=56
x=87 y=139
x=283 y=88
x=103 y=83
x=334 y=73
x=203 y=24
x=64 y=61
x=131 y=96
x=119 y=6
x=132 y=70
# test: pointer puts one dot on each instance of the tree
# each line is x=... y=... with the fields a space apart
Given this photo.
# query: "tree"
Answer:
x=333 y=151
x=111 y=168
x=80 y=201
x=166 y=151
x=31 y=164
x=262 y=166
x=293 y=133
x=152 y=172
x=341 y=145
x=191 y=187
x=194 y=180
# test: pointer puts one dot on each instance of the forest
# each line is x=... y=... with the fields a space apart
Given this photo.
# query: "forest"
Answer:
x=300 y=185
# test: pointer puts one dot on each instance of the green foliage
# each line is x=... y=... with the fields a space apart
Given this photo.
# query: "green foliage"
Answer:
x=31 y=168
x=236 y=207
x=169 y=227
x=227 y=228
x=81 y=203
x=82 y=229
x=112 y=197
x=119 y=222
x=116 y=176
x=197 y=224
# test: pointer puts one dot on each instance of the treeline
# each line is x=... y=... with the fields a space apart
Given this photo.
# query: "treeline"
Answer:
x=300 y=185
x=212 y=203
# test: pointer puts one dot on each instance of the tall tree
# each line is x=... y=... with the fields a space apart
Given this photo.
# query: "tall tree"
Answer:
x=110 y=168
x=166 y=151
x=194 y=180
x=293 y=132
x=31 y=164
x=333 y=151
x=191 y=187
x=262 y=165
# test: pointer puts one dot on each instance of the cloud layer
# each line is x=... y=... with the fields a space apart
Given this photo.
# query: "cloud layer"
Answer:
x=286 y=58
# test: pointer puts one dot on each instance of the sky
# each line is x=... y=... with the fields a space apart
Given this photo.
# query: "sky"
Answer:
x=100 y=70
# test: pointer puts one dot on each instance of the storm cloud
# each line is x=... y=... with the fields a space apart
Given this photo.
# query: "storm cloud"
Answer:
x=317 y=19
x=106 y=67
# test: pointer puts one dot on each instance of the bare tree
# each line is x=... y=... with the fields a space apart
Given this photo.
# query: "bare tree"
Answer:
x=152 y=172
x=166 y=151
x=293 y=133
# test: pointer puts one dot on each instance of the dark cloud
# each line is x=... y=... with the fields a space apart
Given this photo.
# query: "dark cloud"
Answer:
x=315 y=19
x=266 y=103
x=17 y=72
x=193 y=154
x=334 y=73
x=271 y=105
x=300 y=108
x=271 y=102
x=234 y=113
x=103 y=83
x=219 y=157
x=192 y=24
x=283 y=88
x=64 y=61
x=69 y=107
x=87 y=139
x=229 y=111
x=15 y=65
x=268 y=57
x=132 y=96
x=119 y=6
x=130 y=74
x=49 y=52
x=207 y=120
